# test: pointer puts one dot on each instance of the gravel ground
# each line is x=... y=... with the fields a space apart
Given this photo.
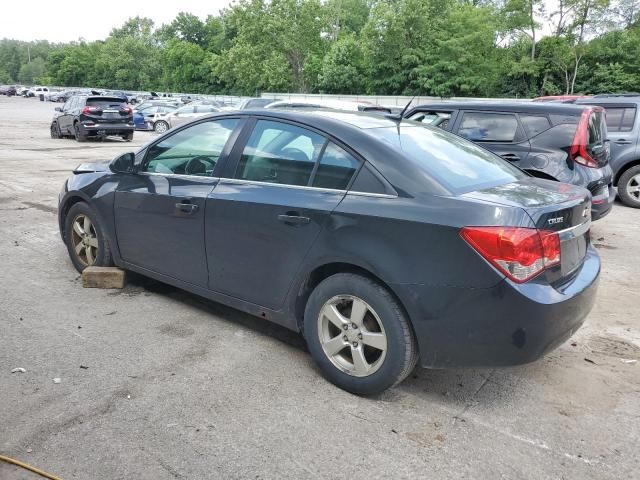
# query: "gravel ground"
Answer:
x=156 y=383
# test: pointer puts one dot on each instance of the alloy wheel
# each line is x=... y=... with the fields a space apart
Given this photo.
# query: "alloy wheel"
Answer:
x=84 y=239
x=161 y=127
x=633 y=187
x=352 y=335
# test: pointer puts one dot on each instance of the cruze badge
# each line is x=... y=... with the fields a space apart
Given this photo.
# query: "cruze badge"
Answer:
x=555 y=221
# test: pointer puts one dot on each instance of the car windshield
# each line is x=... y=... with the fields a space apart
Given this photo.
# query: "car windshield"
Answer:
x=458 y=164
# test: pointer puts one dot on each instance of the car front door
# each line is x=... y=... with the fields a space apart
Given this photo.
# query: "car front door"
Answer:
x=621 y=120
x=263 y=218
x=65 y=120
x=499 y=132
x=159 y=211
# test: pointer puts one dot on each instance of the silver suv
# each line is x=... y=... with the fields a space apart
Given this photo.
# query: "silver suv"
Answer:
x=623 y=126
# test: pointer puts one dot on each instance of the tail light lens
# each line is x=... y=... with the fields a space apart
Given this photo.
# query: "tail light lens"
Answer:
x=519 y=253
x=578 y=151
x=91 y=110
x=126 y=110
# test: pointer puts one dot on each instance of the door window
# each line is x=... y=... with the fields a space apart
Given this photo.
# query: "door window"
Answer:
x=192 y=151
x=279 y=153
x=620 y=119
x=534 y=124
x=335 y=169
x=432 y=117
x=489 y=127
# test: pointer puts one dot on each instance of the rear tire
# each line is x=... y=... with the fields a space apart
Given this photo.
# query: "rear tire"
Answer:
x=362 y=353
x=55 y=131
x=629 y=187
x=160 y=126
x=76 y=133
x=85 y=238
x=128 y=137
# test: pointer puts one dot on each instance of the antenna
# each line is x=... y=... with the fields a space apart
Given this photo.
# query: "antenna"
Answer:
x=399 y=117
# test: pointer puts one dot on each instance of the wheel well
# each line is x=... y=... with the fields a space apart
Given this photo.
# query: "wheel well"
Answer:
x=539 y=174
x=325 y=271
x=624 y=169
x=70 y=202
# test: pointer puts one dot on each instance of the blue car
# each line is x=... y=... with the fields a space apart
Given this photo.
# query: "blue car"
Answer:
x=144 y=119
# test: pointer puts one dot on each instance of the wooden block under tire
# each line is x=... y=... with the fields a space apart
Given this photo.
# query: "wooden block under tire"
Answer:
x=104 y=277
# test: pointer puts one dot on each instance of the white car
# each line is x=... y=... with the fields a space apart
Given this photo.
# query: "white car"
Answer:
x=37 y=91
x=327 y=103
x=183 y=115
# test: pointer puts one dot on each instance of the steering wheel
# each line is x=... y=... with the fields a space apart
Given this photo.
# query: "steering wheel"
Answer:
x=199 y=165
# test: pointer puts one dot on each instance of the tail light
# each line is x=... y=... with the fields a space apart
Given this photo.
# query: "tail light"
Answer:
x=126 y=110
x=578 y=152
x=519 y=253
x=91 y=110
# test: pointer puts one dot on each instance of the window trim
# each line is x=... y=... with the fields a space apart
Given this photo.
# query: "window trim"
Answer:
x=224 y=154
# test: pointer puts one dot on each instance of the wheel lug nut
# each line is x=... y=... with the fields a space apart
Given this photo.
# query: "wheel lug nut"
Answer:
x=353 y=325
x=345 y=327
x=355 y=344
x=360 y=336
x=344 y=337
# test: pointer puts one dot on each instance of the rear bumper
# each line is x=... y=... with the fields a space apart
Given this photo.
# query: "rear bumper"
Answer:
x=98 y=129
x=508 y=324
x=602 y=201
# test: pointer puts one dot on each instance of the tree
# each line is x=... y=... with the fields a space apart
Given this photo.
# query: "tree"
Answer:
x=31 y=72
x=343 y=69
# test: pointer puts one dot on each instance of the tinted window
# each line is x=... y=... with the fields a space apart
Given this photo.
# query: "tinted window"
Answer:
x=459 y=165
x=192 y=151
x=620 y=119
x=108 y=103
x=184 y=110
x=596 y=128
x=534 y=124
x=335 y=169
x=489 y=127
x=279 y=153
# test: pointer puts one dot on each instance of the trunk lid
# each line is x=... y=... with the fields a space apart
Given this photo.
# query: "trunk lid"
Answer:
x=552 y=206
x=108 y=110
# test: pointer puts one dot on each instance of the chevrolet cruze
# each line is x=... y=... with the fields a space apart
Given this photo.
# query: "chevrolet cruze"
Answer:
x=386 y=243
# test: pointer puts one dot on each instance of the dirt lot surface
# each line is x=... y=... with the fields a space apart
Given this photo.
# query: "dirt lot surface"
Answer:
x=156 y=383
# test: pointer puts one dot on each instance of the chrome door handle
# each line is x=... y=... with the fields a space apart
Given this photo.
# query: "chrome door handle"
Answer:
x=293 y=219
x=187 y=207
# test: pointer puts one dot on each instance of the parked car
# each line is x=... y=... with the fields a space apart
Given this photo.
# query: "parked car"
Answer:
x=556 y=141
x=64 y=95
x=559 y=98
x=8 y=90
x=623 y=126
x=254 y=103
x=384 y=242
x=37 y=91
x=21 y=90
x=182 y=115
x=84 y=116
x=146 y=118
x=314 y=104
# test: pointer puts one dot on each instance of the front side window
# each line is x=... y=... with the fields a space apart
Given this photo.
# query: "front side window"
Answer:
x=489 y=127
x=192 y=151
x=279 y=153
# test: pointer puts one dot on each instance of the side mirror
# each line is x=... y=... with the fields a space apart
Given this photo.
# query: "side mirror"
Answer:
x=58 y=109
x=125 y=163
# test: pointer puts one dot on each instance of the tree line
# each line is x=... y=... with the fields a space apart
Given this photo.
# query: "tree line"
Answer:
x=485 y=48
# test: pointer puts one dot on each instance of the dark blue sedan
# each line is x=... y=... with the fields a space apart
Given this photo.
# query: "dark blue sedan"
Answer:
x=384 y=242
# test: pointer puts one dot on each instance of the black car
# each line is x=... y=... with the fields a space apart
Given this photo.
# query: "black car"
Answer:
x=87 y=116
x=562 y=142
x=8 y=90
x=384 y=242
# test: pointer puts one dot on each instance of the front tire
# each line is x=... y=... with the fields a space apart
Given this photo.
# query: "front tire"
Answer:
x=629 y=187
x=85 y=238
x=358 y=334
x=161 y=126
x=128 y=137
x=55 y=131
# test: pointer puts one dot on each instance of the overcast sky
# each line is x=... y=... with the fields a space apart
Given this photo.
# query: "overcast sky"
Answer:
x=63 y=22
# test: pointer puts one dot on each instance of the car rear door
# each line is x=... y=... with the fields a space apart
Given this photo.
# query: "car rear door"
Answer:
x=159 y=211
x=269 y=207
x=499 y=132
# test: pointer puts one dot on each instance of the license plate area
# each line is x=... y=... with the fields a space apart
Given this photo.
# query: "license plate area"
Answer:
x=572 y=253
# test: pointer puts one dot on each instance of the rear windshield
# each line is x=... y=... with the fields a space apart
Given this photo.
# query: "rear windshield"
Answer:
x=458 y=164
x=103 y=103
x=597 y=128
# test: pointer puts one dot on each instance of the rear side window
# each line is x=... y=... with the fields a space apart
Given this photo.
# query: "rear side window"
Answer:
x=280 y=153
x=534 y=124
x=457 y=164
x=620 y=119
x=335 y=169
x=596 y=128
x=489 y=127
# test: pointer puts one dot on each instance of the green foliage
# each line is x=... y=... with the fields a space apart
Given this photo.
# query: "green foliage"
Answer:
x=427 y=47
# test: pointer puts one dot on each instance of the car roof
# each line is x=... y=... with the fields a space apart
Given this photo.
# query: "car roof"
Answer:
x=506 y=106
x=618 y=99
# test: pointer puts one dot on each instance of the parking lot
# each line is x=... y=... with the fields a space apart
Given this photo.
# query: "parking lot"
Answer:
x=156 y=383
